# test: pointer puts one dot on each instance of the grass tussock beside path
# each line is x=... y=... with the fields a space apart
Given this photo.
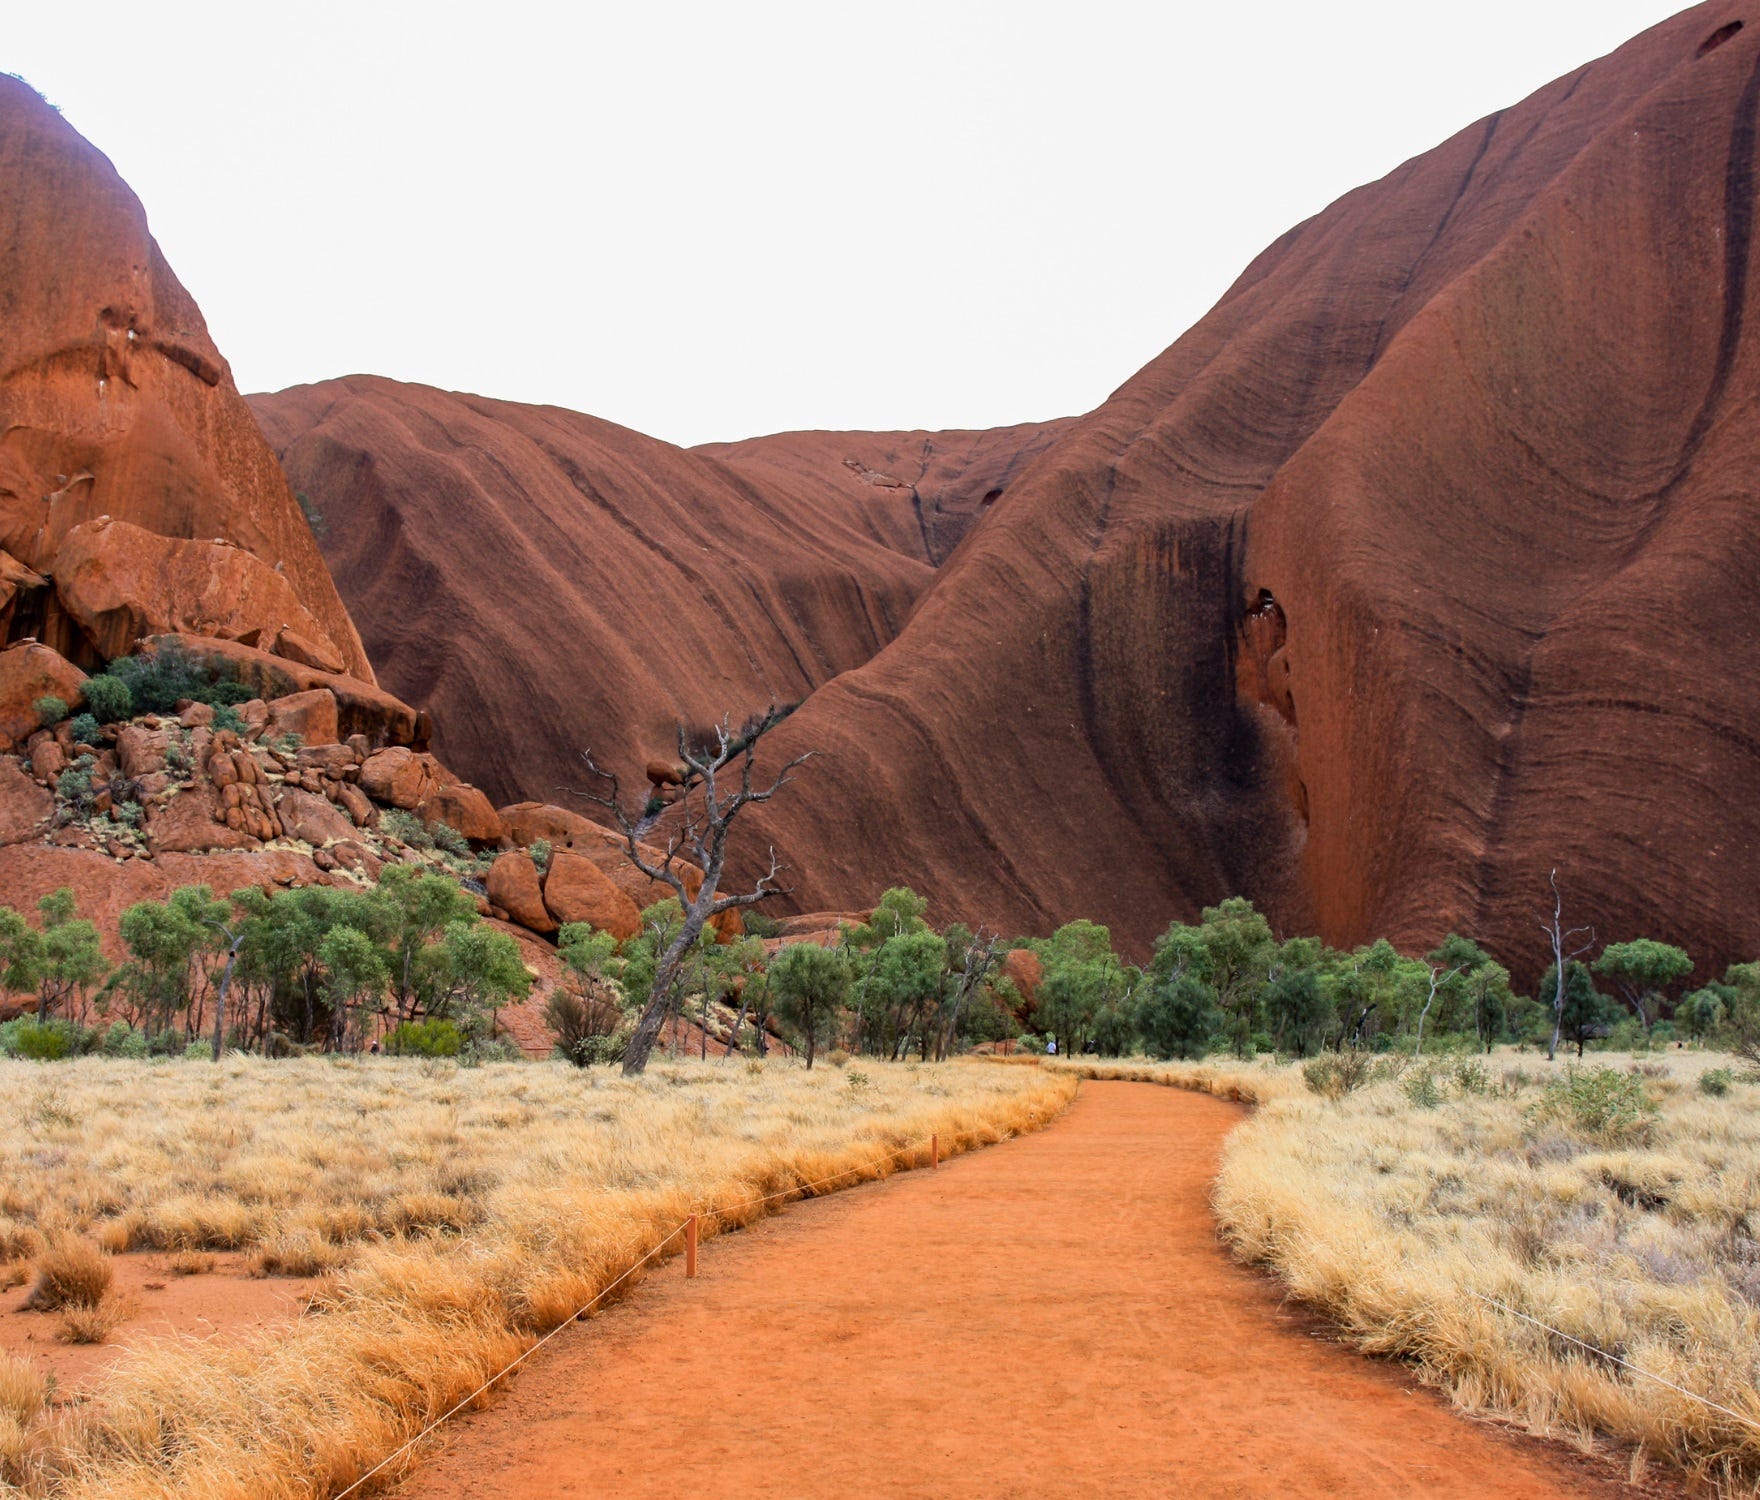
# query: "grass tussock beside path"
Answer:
x=1617 y=1202
x=462 y=1212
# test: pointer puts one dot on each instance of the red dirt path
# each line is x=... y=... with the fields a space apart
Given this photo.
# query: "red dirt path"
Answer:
x=1052 y=1317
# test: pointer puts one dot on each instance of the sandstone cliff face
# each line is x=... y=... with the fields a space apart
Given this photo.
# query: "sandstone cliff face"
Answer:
x=1427 y=561
x=114 y=402
x=916 y=492
x=544 y=582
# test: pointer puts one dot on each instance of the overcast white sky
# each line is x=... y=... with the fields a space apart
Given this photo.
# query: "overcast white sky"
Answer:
x=711 y=221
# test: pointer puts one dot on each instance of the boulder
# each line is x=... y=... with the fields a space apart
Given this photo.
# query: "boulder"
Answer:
x=142 y=751
x=317 y=820
x=334 y=761
x=528 y=822
x=356 y=803
x=29 y=672
x=311 y=715
x=663 y=773
x=577 y=890
x=192 y=822
x=25 y=807
x=358 y=858
x=515 y=887
x=466 y=809
x=48 y=759
x=401 y=777
x=120 y=581
x=361 y=707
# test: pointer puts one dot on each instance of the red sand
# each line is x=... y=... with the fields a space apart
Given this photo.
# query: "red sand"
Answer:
x=221 y=1303
x=1051 y=1317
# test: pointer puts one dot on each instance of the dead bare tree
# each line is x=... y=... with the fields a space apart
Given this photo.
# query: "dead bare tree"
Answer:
x=1561 y=937
x=701 y=820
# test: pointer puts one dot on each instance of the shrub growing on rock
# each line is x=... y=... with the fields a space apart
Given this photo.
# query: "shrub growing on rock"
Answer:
x=157 y=683
x=108 y=698
x=86 y=729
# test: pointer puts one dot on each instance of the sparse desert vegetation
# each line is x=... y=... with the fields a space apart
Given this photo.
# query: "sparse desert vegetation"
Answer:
x=1617 y=1203
x=459 y=1213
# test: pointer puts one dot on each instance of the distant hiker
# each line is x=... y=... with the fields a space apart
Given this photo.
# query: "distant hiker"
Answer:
x=1051 y=1047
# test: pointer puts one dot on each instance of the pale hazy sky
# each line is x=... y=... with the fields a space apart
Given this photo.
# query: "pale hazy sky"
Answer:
x=711 y=221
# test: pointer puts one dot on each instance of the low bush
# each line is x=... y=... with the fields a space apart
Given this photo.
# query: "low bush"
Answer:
x=157 y=682
x=50 y=709
x=70 y=1273
x=1602 y=1104
x=108 y=700
x=1716 y=1082
x=86 y=729
x=1332 y=1075
x=43 y=1041
x=430 y=1038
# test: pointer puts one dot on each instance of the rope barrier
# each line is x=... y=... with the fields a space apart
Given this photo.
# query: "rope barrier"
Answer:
x=611 y=1286
x=1614 y=1358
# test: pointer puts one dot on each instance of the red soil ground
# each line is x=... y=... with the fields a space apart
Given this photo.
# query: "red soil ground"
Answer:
x=1053 y=1317
x=222 y=1303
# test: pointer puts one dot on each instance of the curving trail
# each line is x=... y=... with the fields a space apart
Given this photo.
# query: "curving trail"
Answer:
x=1051 y=1317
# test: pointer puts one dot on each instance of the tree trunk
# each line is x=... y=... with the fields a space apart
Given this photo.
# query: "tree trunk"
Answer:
x=647 y=1032
x=220 y=999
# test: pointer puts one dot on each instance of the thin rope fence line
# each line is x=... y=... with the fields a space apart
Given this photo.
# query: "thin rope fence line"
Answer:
x=599 y=1296
x=1624 y=1363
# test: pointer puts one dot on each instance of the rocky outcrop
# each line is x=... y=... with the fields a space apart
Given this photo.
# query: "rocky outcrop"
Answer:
x=1421 y=566
x=514 y=885
x=120 y=582
x=577 y=890
x=29 y=672
x=653 y=584
x=115 y=403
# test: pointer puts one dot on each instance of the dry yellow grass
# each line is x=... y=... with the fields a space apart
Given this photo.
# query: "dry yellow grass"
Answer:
x=1399 y=1216
x=466 y=1210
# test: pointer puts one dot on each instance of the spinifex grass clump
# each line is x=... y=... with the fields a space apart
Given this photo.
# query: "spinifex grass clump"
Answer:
x=1619 y=1206
x=462 y=1211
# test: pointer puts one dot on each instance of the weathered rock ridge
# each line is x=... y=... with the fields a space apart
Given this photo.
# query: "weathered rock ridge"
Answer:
x=1426 y=562
x=543 y=581
x=115 y=403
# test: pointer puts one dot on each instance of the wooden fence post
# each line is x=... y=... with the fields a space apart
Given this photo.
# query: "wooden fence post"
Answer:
x=935 y=1152
x=690 y=1246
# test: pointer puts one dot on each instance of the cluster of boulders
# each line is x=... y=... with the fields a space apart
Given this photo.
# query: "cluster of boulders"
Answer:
x=581 y=873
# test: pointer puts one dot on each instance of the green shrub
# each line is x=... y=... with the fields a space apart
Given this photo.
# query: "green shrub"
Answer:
x=1470 y=1076
x=227 y=717
x=449 y=840
x=109 y=699
x=608 y=1048
x=1332 y=1075
x=431 y=1038
x=540 y=853
x=1716 y=1082
x=45 y=1041
x=1420 y=1089
x=480 y=1050
x=198 y=1051
x=122 y=1040
x=158 y=682
x=50 y=709
x=85 y=729
x=405 y=827
x=75 y=783
x=1601 y=1103
x=759 y=925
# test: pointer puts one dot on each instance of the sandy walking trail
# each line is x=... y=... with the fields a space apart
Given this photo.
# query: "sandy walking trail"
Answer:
x=1050 y=1317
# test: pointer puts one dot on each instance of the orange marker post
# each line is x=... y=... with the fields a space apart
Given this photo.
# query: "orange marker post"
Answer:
x=934 y=1153
x=690 y=1246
